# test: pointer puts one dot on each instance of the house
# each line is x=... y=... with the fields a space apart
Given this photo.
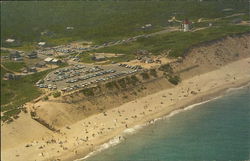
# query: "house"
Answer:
x=42 y=43
x=32 y=69
x=70 y=28
x=98 y=58
x=56 y=61
x=40 y=64
x=48 y=60
x=16 y=56
x=10 y=40
x=32 y=55
x=148 y=25
x=29 y=69
x=10 y=76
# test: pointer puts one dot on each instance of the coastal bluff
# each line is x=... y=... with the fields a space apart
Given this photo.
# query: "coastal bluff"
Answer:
x=75 y=124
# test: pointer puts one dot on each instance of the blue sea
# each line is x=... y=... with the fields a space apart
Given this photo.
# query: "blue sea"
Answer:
x=218 y=130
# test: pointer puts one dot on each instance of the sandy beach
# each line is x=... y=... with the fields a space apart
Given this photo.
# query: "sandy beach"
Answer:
x=78 y=140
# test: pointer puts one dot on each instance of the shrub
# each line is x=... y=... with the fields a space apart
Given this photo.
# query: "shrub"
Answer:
x=134 y=79
x=88 y=92
x=45 y=98
x=174 y=79
x=166 y=68
x=145 y=75
x=122 y=82
x=111 y=85
x=153 y=72
x=56 y=94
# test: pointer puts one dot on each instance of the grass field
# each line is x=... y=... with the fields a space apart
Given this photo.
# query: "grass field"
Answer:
x=178 y=42
x=100 y=21
x=14 y=66
x=17 y=92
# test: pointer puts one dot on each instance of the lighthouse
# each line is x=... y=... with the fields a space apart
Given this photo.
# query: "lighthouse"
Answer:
x=186 y=25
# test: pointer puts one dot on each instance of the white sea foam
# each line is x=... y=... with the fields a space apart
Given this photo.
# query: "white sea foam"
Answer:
x=238 y=88
x=118 y=139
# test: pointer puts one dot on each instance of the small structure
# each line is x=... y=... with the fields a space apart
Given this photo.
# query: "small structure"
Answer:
x=29 y=70
x=32 y=69
x=32 y=55
x=210 y=24
x=149 y=60
x=56 y=61
x=147 y=26
x=42 y=43
x=98 y=57
x=16 y=56
x=70 y=28
x=40 y=64
x=186 y=25
x=10 y=76
x=48 y=60
x=10 y=40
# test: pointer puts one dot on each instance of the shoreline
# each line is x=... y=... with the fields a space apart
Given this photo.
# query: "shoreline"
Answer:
x=131 y=130
x=96 y=132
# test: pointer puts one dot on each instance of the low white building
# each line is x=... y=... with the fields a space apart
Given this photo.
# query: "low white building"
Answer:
x=42 y=43
x=10 y=40
x=70 y=28
x=48 y=60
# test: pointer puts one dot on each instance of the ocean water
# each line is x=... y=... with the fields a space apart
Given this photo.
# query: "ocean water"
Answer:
x=218 y=130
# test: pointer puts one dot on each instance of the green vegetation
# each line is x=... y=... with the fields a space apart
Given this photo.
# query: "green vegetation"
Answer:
x=166 y=68
x=88 y=92
x=134 y=79
x=5 y=53
x=112 y=85
x=177 y=42
x=15 y=93
x=99 y=21
x=122 y=82
x=56 y=94
x=174 y=79
x=153 y=72
x=145 y=75
x=14 y=66
x=86 y=58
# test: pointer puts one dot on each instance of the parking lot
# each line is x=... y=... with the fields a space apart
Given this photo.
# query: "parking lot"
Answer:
x=82 y=76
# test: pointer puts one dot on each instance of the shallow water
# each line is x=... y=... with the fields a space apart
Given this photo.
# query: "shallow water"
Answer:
x=216 y=130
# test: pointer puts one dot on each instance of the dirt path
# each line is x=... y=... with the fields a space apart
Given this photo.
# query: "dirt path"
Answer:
x=11 y=71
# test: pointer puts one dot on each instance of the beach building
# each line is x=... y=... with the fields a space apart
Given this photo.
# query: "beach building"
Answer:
x=42 y=43
x=70 y=28
x=16 y=56
x=98 y=57
x=10 y=40
x=56 y=61
x=40 y=64
x=32 y=55
x=48 y=60
x=10 y=76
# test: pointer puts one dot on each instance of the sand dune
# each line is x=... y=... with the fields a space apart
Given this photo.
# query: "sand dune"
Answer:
x=84 y=136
